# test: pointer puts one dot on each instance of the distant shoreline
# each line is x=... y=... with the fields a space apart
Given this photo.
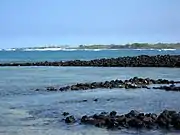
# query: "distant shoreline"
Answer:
x=136 y=46
x=69 y=49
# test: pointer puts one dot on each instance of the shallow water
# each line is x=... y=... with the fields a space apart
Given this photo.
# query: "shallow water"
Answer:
x=26 y=112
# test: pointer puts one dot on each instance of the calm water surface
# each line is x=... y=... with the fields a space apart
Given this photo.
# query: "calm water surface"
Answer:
x=33 y=56
x=24 y=111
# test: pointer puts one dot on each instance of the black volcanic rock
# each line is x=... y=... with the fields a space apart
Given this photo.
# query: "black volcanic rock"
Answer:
x=166 y=120
x=70 y=119
x=113 y=113
x=136 y=61
x=133 y=83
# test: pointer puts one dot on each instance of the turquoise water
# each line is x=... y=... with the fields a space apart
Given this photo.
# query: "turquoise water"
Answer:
x=24 y=111
x=24 y=56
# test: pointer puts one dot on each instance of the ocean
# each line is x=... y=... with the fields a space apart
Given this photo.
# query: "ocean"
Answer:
x=25 y=111
x=72 y=54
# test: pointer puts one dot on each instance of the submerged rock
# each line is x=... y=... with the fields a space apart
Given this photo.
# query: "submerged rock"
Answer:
x=51 y=89
x=70 y=119
x=65 y=113
x=168 y=88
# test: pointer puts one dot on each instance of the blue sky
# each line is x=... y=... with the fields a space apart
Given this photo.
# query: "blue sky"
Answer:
x=41 y=22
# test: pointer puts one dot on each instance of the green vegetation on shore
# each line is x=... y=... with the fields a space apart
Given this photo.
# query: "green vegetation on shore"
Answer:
x=133 y=46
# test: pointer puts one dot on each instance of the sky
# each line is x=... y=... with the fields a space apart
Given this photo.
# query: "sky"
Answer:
x=25 y=23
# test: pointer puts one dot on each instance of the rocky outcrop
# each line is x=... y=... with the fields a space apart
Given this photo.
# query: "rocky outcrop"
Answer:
x=70 y=119
x=132 y=83
x=166 y=120
x=136 y=61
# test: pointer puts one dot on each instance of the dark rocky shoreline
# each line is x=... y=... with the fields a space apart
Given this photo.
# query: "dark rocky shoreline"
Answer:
x=165 y=120
x=136 y=61
x=132 y=83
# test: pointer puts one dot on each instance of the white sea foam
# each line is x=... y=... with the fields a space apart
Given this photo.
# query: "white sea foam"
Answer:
x=156 y=49
x=67 y=49
x=93 y=49
x=44 y=49
x=166 y=50
x=10 y=49
x=151 y=49
x=63 y=49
